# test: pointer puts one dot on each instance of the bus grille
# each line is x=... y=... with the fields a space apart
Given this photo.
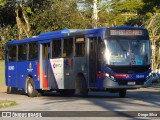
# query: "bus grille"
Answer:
x=129 y=69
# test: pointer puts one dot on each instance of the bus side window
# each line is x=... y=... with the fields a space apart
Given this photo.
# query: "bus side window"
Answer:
x=12 y=50
x=33 y=51
x=56 y=49
x=68 y=47
x=79 y=47
x=22 y=52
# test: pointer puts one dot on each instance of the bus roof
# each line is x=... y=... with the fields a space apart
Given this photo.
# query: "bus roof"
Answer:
x=62 y=32
x=54 y=34
x=66 y=32
x=126 y=27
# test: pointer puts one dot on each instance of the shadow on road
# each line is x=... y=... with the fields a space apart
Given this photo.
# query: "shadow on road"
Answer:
x=136 y=100
x=111 y=102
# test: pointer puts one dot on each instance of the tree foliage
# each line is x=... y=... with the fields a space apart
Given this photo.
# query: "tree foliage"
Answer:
x=49 y=15
x=59 y=15
x=126 y=12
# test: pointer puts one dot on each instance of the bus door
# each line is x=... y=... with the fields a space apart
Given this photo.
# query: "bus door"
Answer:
x=68 y=63
x=92 y=59
x=44 y=65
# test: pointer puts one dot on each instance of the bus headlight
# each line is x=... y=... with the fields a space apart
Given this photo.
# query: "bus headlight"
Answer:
x=107 y=74
x=112 y=78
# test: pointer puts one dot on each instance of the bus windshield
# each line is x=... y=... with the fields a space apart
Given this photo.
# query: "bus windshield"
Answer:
x=126 y=52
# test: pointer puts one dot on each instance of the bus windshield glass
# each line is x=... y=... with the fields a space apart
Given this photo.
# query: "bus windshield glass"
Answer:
x=126 y=52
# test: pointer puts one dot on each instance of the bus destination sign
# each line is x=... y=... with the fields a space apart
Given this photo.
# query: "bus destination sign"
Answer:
x=125 y=32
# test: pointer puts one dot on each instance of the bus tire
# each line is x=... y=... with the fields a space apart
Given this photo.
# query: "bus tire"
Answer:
x=31 y=91
x=66 y=93
x=122 y=93
x=11 y=90
x=81 y=86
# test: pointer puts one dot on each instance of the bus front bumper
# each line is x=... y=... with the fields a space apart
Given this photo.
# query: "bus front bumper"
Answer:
x=109 y=83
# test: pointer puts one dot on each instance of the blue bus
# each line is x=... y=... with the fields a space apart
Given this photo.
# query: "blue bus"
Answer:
x=75 y=61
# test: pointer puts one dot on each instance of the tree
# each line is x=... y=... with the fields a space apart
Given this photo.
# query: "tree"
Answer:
x=153 y=26
x=98 y=10
x=16 y=9
x=126 y=12
x=2 y=2
x=24 y=27
x=60 y=15
x=24 y=18
x=151 y=11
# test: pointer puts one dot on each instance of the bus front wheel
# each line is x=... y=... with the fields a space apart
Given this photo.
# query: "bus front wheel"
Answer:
x=11 y=90
x=122 y=93
x=31 y=91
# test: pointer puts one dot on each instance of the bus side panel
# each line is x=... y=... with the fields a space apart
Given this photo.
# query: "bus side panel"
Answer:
x=35 y=72
x=99 y=84
x=23 y=70
x=79 y=66
x=21 y=73
x=57 y=79
x=51 y=77
x=6 y=73
x=68 y=73
x=12 y=72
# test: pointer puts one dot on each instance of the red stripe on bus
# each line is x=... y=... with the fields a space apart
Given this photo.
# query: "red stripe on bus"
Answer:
x=100 y=75
x=38 y=70
x=44 y=79
x=45 y=83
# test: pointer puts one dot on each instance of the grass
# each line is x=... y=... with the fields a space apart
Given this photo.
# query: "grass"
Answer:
x=4 y=103
x=7 y=103
x=2 y=76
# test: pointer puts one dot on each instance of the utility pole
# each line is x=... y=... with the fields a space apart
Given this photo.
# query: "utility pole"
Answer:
x=95 y=14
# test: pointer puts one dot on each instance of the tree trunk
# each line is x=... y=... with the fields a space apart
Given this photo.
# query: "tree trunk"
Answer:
x=24 y=29
x=19 y=25
x=26 y=19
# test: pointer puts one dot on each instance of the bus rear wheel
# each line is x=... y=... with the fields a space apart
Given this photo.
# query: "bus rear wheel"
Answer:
x=11 y=90
x=81 y=86
x=31 y=91
x=122 y=93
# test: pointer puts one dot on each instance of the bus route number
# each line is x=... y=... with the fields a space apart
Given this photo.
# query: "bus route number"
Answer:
x=139 y=76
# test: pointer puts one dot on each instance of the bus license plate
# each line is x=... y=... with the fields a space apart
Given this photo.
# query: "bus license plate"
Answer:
x=131 y=83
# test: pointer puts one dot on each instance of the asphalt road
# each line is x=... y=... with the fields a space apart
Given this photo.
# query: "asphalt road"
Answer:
x=144 y=99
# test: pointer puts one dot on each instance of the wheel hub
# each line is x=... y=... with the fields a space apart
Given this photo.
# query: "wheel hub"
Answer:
x=30 y=88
